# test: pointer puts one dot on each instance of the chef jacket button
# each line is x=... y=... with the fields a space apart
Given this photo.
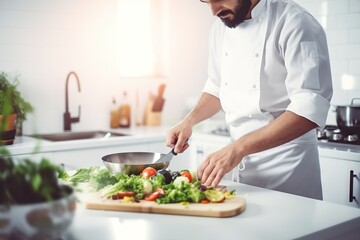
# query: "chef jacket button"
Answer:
x=226 y=83
x=226 y=54
x=256 y=55
x=254 y=86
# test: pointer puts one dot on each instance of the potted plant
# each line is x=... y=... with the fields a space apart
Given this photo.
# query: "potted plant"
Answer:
x=13 y=108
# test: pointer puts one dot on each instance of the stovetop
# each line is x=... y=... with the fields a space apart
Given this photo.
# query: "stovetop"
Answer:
x=332 y=133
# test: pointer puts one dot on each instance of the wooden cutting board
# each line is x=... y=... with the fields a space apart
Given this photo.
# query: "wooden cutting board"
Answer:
x=228 y=208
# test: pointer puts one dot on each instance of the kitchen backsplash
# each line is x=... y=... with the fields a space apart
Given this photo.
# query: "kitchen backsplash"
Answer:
x=43 y=41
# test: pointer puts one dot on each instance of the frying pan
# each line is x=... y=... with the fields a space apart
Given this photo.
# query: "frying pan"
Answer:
x=133 y=162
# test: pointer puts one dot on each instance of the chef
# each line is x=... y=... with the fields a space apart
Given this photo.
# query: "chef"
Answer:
x=269 y=70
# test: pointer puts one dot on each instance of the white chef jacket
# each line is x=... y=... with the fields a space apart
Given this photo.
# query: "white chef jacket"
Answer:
x=274 y=62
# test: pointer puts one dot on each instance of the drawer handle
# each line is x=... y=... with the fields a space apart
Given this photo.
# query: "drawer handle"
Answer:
x=351 y=190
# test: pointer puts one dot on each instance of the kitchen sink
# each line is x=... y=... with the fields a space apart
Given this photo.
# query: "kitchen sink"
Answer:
x=67 y=136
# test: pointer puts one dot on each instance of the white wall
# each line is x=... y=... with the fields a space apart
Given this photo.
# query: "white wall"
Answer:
x=43 y=40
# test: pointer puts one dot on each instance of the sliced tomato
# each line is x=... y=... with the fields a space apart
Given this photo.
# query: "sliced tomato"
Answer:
x=152 y=197
x=186 y=174
x=148 y=172
x=204 y=201
x=121 y=195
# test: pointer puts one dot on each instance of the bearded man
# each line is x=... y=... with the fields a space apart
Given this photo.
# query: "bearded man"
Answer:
x=269 y=70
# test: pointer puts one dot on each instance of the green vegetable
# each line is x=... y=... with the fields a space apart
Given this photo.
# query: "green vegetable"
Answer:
x=100 y=177
x=133 y=183
x=25 y=181
x=182 y=192
x=158 y=181
x=81 y=175
x=110 y=184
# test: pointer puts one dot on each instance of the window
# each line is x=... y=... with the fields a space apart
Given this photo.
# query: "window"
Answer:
x=139 y=37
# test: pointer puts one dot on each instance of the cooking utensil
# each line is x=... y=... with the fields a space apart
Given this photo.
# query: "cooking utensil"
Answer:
x=348 y=117
x=133 y=162
x=159 y=100
x=167 y=157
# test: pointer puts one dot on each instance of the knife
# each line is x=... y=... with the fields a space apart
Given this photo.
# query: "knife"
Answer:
x=168 y=156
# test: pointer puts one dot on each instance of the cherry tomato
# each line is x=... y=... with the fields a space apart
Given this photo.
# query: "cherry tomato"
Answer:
x=152 y=197
x=148 y=172
x=186 y=174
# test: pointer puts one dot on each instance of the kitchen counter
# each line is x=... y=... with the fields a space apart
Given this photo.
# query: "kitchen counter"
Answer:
x=268 y=215
x=27 y=145
x=143 y=134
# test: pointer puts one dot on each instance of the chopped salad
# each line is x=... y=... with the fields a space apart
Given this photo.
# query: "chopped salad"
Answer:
x=162 y=186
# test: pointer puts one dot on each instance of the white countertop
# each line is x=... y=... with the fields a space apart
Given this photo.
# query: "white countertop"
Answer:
x=27 y=145
x=143 y=134
x=268 y=215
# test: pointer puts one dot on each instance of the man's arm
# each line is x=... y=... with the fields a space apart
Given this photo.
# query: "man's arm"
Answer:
x=206 y=107
x=283 y=129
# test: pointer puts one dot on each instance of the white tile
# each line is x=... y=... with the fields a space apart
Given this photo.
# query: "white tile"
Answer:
x=354 y=66
x=335 y=7
x=325 y=7
x=354 y=6
x=338 y=66
x=344 y=21
x=354 y=35
x=348 y=51
x=339 y=36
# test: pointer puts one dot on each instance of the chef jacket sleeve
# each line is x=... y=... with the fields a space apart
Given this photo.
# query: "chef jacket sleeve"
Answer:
x=308 y=80
x=212 y=85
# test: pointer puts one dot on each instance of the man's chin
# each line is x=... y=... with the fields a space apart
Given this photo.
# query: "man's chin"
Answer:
x=229 y=24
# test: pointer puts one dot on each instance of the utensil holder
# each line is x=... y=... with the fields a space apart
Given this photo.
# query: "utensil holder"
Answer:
x=151 y=118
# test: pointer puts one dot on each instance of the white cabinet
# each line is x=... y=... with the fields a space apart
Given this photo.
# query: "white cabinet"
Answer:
x=340 y=177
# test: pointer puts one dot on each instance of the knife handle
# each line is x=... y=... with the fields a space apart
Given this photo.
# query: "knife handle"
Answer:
x=173 y=150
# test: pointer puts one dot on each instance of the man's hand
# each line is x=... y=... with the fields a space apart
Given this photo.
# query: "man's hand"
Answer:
x=283 y=129
x=217 y=164
x=177 y=137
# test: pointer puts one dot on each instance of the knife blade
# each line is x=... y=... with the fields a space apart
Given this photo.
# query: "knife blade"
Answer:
x=166 y=157
x=169 y=156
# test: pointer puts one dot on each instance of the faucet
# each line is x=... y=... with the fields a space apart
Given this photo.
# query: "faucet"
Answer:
x=67 y=116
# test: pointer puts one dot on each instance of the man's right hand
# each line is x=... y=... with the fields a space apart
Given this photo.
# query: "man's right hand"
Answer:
x=178 y=136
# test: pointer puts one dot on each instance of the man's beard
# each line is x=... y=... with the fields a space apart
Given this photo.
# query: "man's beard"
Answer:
x=238 y=15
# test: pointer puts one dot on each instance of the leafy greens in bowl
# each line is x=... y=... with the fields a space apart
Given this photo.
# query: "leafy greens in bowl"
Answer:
x=33 y=203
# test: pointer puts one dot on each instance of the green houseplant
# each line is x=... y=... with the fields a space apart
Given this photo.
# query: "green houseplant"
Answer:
x=13 y=108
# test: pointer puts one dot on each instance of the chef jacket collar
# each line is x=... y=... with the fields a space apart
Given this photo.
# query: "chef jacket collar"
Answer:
x=258 y=9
